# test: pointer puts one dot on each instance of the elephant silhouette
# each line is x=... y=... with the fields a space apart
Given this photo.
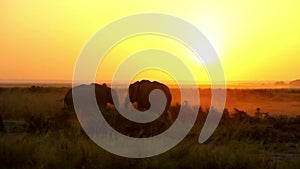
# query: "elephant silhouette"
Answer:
x=104 y=95
x=140 y=90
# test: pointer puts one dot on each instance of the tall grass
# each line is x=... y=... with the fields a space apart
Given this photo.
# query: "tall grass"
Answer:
x=57 y=150
x=40 y=134
x=19 y=103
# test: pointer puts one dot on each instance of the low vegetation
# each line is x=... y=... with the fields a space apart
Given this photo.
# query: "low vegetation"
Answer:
x=39 y=133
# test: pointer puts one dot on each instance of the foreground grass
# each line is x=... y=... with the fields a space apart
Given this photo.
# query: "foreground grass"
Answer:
x=59 y=149
x=235 y=144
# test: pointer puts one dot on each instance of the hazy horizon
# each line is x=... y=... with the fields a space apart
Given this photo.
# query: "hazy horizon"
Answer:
x=229 y=84
x=108 y=81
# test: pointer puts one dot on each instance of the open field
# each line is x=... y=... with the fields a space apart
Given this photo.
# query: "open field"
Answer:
x=16 y=103
x=275 y=101
x=40 y=133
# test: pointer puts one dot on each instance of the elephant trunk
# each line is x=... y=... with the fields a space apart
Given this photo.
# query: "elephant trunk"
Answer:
x=115 y=96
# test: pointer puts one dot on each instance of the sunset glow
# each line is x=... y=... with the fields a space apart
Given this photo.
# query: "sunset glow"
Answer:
x=255 y=40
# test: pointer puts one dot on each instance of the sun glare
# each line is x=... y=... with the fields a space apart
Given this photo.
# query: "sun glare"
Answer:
x=213 y=29
x=244 y=34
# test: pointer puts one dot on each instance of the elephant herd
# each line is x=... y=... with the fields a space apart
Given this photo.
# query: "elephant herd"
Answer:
x=138 y=94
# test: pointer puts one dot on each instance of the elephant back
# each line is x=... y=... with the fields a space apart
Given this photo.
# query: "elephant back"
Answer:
x=139 y=92
x=102 y=93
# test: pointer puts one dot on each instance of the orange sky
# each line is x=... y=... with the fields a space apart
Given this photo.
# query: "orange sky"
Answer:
x=255 y=40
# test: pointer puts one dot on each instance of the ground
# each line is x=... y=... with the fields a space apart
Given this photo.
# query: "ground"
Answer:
x=40 y=133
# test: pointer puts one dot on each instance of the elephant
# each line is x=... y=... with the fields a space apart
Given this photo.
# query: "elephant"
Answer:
x=140 y=90
x=104 y=95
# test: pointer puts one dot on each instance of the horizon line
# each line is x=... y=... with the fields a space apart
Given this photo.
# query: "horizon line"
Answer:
x=109 y=81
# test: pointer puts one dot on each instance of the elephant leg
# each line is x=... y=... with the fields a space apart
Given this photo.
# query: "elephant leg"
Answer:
x=147 y=104
x=144 y=104
x=140 y=105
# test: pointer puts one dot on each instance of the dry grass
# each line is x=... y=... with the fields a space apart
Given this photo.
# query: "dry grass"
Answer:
x=274 y=101
x=41 y=134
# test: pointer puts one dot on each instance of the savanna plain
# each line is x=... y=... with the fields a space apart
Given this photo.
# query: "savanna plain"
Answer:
x=259 y=129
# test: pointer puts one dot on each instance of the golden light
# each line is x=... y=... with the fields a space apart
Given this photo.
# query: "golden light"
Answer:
x=40 y=40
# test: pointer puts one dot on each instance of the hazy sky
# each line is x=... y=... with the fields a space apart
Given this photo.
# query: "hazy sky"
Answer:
x=255 y=40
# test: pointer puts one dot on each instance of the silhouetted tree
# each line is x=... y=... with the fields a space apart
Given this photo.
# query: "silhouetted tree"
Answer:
x=258 y=113
x=34 y=88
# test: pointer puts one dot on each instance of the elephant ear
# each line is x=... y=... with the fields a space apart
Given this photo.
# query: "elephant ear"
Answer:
x=108 y=93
